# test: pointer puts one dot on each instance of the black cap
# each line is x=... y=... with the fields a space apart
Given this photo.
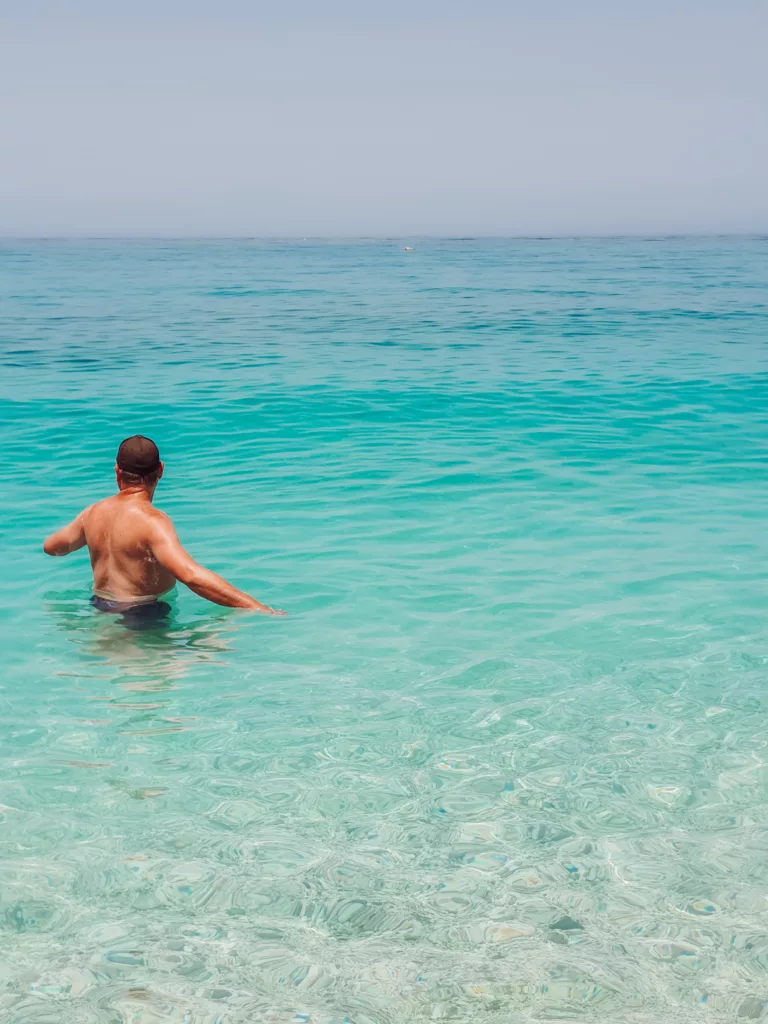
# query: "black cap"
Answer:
x=138 y=455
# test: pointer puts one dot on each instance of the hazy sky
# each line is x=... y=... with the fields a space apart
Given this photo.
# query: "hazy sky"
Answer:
x=401 y=118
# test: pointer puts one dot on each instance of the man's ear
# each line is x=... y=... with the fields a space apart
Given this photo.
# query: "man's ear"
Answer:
x=161 y=470
x=118 y=475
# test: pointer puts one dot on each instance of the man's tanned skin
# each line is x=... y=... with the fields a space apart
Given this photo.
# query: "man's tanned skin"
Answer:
x=135 y=553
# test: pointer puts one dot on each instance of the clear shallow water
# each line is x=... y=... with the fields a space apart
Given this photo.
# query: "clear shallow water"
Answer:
x=506 y=759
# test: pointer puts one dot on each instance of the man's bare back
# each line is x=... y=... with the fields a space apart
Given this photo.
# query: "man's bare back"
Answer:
x=121 y=533
x=135 y=554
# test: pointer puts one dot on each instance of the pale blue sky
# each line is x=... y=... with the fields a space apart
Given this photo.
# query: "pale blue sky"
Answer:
x=395 y=119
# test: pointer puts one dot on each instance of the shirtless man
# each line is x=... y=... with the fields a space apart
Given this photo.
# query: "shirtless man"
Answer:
x=135 y=554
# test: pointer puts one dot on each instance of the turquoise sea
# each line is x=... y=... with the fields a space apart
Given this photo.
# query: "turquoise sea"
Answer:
x=506 y=759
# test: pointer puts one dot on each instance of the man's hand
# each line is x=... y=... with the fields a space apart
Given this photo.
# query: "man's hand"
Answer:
x=257 y=606
x=271 y=611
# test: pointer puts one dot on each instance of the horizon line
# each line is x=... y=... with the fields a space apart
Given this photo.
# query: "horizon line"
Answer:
x=569 y=236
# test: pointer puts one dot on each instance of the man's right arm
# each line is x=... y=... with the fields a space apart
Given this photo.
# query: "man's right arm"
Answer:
x=167 y=549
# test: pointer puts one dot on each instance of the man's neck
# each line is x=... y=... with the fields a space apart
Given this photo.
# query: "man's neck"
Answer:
x=137 y=491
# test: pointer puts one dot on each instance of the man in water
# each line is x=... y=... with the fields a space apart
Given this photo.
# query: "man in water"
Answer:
x=135 y=554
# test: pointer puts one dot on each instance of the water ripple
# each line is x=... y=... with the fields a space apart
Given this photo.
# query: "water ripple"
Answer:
x=506 y=758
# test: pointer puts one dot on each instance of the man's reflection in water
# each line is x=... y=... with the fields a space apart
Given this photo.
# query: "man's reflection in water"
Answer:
x=156 y=650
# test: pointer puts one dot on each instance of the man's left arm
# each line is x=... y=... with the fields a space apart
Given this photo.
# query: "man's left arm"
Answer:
x=67 y=539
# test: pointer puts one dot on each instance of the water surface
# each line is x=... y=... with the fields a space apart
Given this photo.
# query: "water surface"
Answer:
x=506 y=759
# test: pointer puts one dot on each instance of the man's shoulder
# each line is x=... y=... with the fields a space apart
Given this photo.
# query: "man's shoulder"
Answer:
x=111 y=507
x=95 y=506
x=101 y=503
x=156 y=526
x=157 y=513
x=155 y=517
x=104 y=506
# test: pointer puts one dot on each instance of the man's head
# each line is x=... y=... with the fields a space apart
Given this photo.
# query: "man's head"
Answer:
x=138 y=463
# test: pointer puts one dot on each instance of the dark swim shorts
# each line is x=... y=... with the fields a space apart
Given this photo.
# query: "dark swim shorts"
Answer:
x=136 y=616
